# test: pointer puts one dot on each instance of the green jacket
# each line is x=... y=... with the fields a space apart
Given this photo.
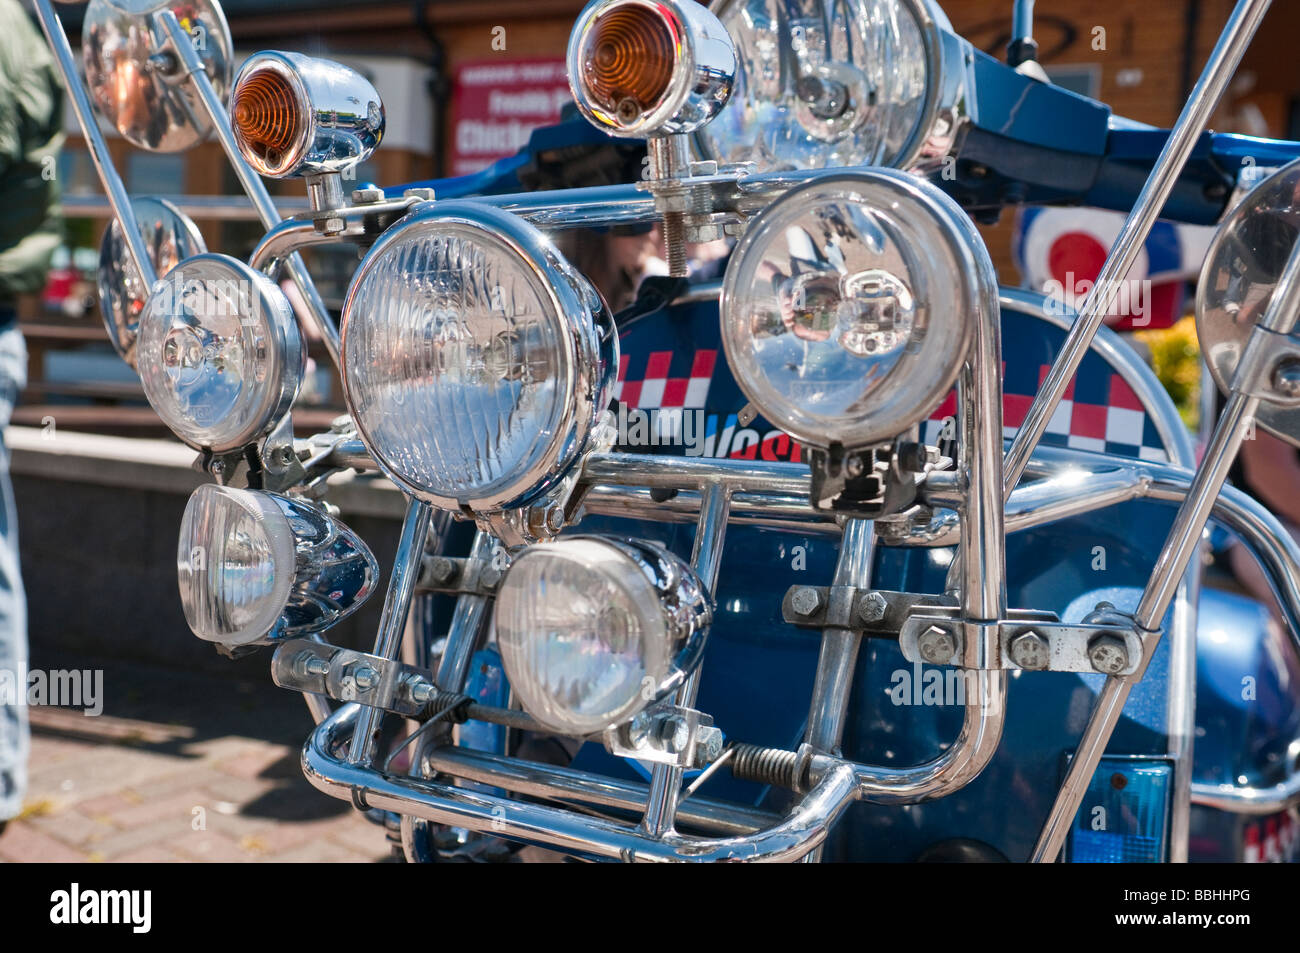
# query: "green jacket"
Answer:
x=31 y=132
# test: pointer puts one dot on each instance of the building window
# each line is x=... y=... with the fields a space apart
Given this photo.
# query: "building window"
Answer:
x=148 y=173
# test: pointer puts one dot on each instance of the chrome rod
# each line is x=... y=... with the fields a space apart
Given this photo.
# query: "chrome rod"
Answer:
x=336 y=774
x=466 y=625
x=392 y=621
x=1180 y=708
x=706 y=558
x=554 y=782
x=839 y=649
x=99 y=154
x=1183 y=541
x=1219 y=69
x=252 y=183
x=838 y=658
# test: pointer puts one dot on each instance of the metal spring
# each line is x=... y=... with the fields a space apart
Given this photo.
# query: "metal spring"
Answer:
x=765 y=765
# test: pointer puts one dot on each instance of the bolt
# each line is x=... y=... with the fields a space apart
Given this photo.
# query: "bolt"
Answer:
x=805 y=601
x=708 y=744
x=675 y=733
x=423 y=692
x=441 y=570
x=424 y=195
x=315 y=665
x=365 y=677
x=872 y=607
x=1108 y=654
x=638 y=732
x=936 y=645
x=1286 y=378
x=367 y=196
x=1030 y=651
x=674 y=225
x=489 y=576
x=546 y=520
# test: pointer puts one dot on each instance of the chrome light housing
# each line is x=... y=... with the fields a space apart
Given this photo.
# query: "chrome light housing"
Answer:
x=822 y=84
x=149 y=108
x=170 y=237
x=593 y=630
x=219 y=353
x=1245 y=259
x=649 y=67
x=257 y=567
x=476 y=360
x=298 y=115
x=848 y=306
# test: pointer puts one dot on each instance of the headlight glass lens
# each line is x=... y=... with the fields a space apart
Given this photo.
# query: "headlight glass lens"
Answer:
x=589 y=635
x=219 y=353
x=821 y=84
x=470 y=362
x=234 y=563
x=847 y=306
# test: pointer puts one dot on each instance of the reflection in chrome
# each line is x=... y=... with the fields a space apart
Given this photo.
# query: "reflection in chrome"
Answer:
x=119 y=44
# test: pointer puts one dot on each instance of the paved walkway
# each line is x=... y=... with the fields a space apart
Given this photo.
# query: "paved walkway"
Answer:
x=181 y=767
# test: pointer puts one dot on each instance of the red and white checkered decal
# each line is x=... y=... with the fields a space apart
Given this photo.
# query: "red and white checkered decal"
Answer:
x=657 y=389
x=1119 y=426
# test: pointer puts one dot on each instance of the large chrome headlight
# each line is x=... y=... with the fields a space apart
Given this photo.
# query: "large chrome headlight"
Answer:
x=475 y=359
x=649 y=67
x=257 y=567
x=848 y=305
x=593 y=630
x=293 y=114
x=219 y=352
x=820 y=84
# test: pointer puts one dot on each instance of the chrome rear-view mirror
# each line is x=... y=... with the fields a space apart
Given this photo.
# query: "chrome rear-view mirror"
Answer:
x=170 y=237
x=1242 y=268
x=131 y=74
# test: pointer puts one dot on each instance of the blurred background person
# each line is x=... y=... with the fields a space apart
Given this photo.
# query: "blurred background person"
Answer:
x=31 y=124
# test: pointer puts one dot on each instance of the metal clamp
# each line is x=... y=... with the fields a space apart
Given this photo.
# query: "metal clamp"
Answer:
x=667 y=734
x=458 y=575
x=1028 y=640
x=876 y=612
x=346 y=675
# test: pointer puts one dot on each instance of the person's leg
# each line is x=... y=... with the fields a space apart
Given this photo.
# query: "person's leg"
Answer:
x=14 y=739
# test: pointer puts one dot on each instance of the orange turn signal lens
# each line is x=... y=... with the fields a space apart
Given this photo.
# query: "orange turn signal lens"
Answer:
x=268 y=120
x=628 y=60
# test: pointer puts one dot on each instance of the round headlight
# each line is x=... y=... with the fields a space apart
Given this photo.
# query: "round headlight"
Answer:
x=822 y=85
x=475 y=359
x=219 y=352
x=848 y=305
x=649 y=67
x=255 y=566
x=592 y=630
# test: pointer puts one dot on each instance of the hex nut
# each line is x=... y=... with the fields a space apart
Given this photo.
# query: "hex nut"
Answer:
x=936 y=645
x=805 y=601
x=872 y=607
x=1108 y=654
x=1030 y=651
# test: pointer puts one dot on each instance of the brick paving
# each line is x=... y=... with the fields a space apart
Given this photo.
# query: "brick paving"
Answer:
x=181 y=767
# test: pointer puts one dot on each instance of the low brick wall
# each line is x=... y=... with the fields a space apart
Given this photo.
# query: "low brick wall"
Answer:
x=98 y=522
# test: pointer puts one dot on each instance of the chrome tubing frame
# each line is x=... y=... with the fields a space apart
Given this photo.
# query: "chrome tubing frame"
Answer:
x=118 y=198
x=197 y=74
x=330 y=771
x=1219 y=69
x=392 y=621
x=1183 y=541
x=706 y=560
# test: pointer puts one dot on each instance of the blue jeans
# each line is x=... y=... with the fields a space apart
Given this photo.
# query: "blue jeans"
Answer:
x=14 y=737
